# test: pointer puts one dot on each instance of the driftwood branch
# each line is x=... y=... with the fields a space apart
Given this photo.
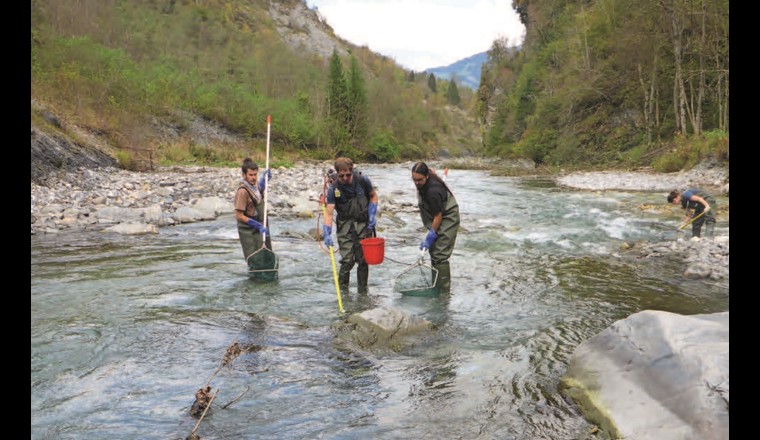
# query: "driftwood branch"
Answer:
x=198 y=423
x=236 y=398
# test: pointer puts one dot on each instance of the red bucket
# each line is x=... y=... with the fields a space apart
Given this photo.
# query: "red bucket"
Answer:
x=374 y=250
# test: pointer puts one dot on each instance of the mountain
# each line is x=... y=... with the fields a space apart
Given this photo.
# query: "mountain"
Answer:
x=466 y=71
x=192 y=82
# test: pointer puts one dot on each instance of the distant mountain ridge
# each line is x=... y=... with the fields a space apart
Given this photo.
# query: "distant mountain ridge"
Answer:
x=466 y=71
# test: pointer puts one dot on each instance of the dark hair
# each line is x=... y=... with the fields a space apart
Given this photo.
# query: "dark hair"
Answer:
x=248 y=164
x=422 y=168
x=672 y=196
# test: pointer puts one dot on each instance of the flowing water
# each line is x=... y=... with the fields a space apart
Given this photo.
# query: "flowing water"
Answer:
x=125 y=329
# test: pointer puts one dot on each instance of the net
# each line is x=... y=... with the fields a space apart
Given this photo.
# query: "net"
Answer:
x=263 y=265
x=419 y=279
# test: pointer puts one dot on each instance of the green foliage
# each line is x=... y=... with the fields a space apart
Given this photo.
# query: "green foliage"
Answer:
x=685 y=152
x=671 y=162
x=174 y=153
x=159 y=65
x=411 y=152
x=536 y=145
x=337 y=90
x=566 y=151
x=337 y=124
x=452 y=93
x=594 y=83
x=124 y=159
x=432 y=84
x=356 y=110
x=716 y=144
x=384 y=148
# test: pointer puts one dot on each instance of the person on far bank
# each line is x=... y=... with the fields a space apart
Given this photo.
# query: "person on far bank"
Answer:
x=353 y=198
x=700 y=201
x=249 y=208
x=439 y=212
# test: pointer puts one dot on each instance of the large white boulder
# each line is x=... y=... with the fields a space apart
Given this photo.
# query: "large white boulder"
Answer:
x=655 y=375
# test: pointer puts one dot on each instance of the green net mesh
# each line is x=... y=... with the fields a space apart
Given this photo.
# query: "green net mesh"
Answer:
x=419 y=279
x=263 y=265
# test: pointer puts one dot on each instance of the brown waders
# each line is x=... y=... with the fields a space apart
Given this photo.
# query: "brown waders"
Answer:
x=250 y=239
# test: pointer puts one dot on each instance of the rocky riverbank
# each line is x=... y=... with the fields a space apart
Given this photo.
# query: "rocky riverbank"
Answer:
x=115 y=200
x=706 y=258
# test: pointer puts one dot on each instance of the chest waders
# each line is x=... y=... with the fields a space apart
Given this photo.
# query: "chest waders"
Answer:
x=441 y=250
x=708 y=219
x=250 y=239
x=351 y=223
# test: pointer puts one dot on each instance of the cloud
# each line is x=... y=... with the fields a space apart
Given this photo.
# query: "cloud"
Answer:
x=424 y=33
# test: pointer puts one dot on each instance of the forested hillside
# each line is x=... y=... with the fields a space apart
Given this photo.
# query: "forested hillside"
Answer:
x=137 y=78
x=597 y=83
x=611 y=83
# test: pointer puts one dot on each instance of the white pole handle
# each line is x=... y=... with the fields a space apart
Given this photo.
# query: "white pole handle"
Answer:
x=266 y=176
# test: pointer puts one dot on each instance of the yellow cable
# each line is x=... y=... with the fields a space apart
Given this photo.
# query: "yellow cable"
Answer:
x=690 y=221
x=335 y=278
x=335 y=273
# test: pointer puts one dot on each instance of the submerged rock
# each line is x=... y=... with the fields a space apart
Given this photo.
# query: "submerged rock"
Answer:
x=384 y=327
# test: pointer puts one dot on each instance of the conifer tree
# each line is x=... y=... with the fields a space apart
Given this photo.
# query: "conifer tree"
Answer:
x=337 y=92
x=452 y=94
x=357 y=107
x=337 y=104
x=431 y=83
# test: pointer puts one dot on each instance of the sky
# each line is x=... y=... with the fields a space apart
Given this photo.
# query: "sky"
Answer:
x=422 y=34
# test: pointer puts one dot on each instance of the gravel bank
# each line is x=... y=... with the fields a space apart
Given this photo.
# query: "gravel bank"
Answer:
x=130 y=202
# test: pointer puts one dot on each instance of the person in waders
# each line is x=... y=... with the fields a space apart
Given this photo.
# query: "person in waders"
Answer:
x=439 y=212
x=700 y=201
x=354 y=199
x=249 y=208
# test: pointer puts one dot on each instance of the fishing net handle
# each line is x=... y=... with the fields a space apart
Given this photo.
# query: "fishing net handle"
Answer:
x=266 y=176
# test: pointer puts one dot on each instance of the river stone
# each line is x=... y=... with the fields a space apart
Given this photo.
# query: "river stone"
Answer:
x=213 y=206
x=385 y=326
x=187 y=214
x=655 y=375
x=698 y=271
x=133 y=228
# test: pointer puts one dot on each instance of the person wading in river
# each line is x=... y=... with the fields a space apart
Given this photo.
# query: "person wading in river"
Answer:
x=439 y=212
x=249 y=208
x=700 y=201
x=354 y=199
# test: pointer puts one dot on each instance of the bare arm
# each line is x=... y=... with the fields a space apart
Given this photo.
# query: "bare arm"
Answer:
x=240 y=204
x=702 y=201
x=329 y=214
x=437 y=219
x=240 y=216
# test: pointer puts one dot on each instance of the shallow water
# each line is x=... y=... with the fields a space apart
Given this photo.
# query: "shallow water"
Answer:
x=124 y=330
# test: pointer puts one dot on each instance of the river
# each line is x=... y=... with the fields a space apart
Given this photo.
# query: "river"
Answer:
x=125 y=329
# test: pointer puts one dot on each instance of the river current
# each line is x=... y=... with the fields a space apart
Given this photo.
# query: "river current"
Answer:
x=125 y=329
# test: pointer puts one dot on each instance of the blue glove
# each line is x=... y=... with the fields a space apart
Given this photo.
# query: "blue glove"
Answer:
x=327 y=233
x=429 y=239
x=257 y=226
x=372 y=211
x=265 y=176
